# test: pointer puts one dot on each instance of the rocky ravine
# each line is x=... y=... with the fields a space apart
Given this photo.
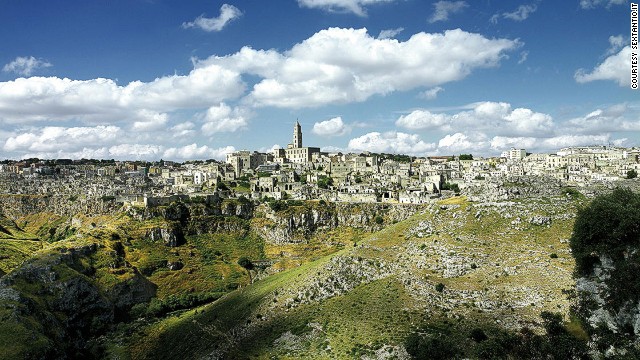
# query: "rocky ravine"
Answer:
x=503 y=262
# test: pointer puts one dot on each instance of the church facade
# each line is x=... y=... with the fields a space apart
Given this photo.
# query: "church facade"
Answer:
x=295 y=152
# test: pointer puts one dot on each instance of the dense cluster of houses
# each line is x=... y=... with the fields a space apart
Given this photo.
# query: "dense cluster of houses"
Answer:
x=299 y=172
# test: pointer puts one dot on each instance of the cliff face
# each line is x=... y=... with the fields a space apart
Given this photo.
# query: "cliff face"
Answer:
x=294 y=224
x=597 y=297
x=16 y=206
x=297 y=224
x=611 y=308
x=182 y=211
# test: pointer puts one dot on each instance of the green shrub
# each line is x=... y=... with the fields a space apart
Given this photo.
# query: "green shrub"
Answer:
x=478 y=335
x=453 y=187
x=157 y=307
x=431 y=346
x=608 y=226
x=324 y=182
x=245 y=263
x=278 y=205
x=571 y=192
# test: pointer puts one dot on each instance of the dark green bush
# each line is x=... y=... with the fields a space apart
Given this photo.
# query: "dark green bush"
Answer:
x=245 y=263
x=608 y=226
x=431 y=346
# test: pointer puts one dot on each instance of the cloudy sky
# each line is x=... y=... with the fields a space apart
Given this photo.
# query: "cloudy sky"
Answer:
x=151 y=79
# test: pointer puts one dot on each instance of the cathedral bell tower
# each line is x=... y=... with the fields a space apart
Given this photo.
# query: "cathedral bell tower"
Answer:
x=297 y=135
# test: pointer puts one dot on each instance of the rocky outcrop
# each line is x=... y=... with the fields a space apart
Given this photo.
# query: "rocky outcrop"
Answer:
x=56 y=292
x=295 y=224
x=16 y=206
x=54 y=305
x=298 y=223
x=138 y=289
x=183 y=210
x=512 y=187
x=596 y=300
x=171 y=236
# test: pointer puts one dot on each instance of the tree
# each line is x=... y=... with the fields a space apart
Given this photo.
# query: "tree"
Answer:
x=466 y=157
x=453 y=187
x=324 y=182
x=608 y=226
x=632 y=174
x=220 y=185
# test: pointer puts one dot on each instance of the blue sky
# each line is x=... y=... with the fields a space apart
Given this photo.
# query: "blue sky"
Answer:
x=151 y=79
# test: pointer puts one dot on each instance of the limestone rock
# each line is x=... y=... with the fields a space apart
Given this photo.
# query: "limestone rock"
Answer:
x=171 y=237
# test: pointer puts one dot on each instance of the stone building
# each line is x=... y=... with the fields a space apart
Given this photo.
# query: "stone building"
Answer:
x=295 y=152
x=244 y=160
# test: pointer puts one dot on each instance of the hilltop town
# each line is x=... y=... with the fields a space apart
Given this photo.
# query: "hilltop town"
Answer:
x=233 y=258
x=300 y=172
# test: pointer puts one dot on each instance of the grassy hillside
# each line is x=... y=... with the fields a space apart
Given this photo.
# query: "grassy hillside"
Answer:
x=142 y=268
x=459 y=265
x=16 y=245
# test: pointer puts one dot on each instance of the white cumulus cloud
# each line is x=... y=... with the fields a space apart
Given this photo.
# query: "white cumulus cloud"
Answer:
x=618 y=117
x=423 y=120
x=183 y=130
x=331 y=127
x=616 y=67
x=223 y=118
x=25 y=66
x=561 y=141
x=501 y=143
x=615 y=44
x=150 y=121
x=520 y=14
x=496 y=117
x=228 y=13
x=442 y=10
x=135 y=151
x=336 y=66
x=193 y=151
x=51 y=98
x=54 y=138
x=459 y=142
x=391 y=142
